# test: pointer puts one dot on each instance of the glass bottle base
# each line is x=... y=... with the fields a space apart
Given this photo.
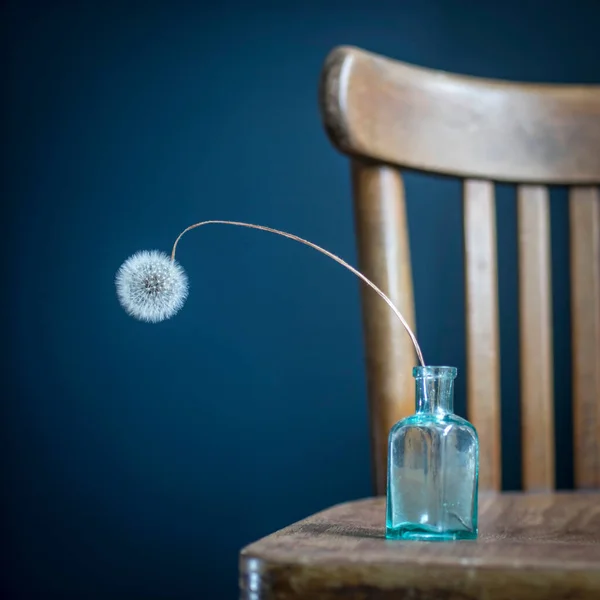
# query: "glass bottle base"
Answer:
x=422 y=533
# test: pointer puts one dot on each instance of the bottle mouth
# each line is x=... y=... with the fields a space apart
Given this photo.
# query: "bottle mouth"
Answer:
x=435 y=372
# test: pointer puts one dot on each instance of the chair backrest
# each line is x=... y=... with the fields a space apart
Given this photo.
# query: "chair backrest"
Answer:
x=385 y=115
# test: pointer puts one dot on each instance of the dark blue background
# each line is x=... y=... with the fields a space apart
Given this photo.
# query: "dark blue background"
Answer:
x=138 y=459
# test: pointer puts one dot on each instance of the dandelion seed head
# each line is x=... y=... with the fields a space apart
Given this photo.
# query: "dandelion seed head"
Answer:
x=151 y=287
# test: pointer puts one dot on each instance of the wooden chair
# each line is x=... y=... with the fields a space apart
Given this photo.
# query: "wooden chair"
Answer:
x=385 y=114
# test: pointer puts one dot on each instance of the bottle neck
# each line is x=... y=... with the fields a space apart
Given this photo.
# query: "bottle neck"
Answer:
x=434 y=389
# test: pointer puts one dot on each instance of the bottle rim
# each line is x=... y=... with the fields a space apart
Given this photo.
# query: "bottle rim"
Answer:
x=434 y=372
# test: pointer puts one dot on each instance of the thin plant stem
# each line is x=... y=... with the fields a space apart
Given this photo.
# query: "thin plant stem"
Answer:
x=323 y=251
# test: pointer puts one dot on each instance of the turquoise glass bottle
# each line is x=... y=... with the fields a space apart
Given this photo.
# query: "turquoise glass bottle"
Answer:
x=433 y=466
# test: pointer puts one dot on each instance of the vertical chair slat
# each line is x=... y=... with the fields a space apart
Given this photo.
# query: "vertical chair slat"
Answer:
x=535 y=328
x=483 y=349
x=384 y=257
x=584 y=210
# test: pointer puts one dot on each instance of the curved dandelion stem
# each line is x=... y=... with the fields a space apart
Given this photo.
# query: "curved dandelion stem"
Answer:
x=337 y=259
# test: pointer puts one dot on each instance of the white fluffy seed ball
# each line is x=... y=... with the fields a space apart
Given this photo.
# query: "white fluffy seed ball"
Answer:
x=151 y=287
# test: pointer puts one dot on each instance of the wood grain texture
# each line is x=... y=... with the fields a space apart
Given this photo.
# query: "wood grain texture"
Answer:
x=584 y=209
x=384 y=257
x=531 y=547
x=396 y=113
x=483 y=342
x=535 y=329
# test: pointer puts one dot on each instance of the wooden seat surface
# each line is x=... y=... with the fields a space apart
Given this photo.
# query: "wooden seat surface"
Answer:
x=530 y=546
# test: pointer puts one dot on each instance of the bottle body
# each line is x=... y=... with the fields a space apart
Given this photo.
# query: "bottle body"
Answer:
x=433 y=466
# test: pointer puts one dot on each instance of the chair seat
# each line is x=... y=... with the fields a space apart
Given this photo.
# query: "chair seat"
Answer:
x=530 y=546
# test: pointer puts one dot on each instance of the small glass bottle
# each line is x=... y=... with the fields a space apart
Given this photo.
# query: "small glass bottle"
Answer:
x=433 y=466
